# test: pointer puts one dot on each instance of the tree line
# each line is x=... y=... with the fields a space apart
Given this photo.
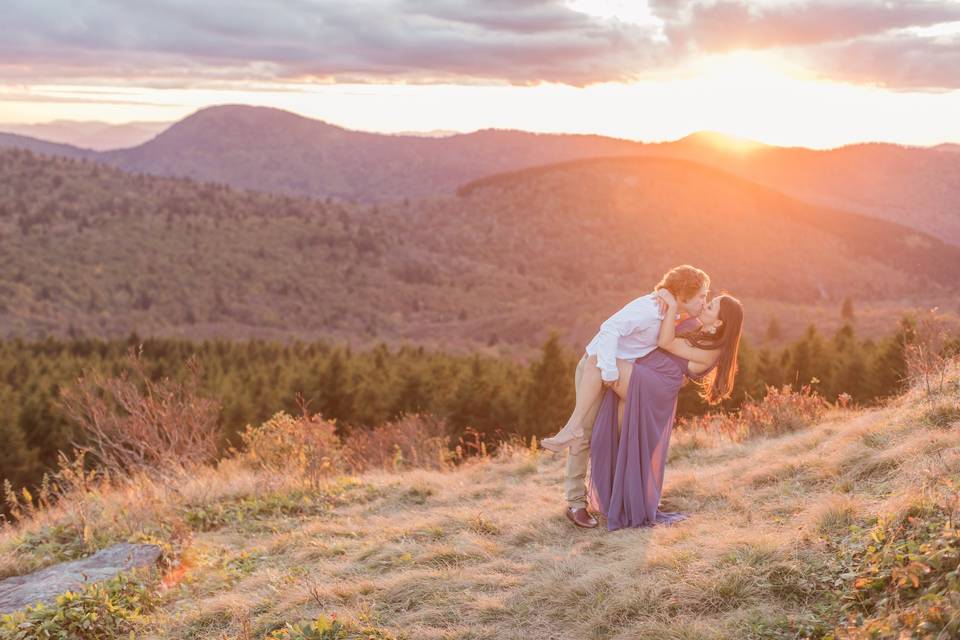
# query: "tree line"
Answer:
x=359 y=389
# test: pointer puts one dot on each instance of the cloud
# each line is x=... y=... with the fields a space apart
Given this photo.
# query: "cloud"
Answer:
x=860 y=41
x=901 y=61
x=518 y=41
x=733 y=25
x=184 y=43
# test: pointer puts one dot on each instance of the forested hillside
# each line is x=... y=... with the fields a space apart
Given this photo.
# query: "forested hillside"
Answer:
x=90 y=250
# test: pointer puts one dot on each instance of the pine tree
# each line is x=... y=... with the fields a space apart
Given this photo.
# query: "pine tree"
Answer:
x=18 y=462
x=774 y=332
x=846 y=311
x=549 y=397
x=890 y=367
x=336 y=394
x=769 y=371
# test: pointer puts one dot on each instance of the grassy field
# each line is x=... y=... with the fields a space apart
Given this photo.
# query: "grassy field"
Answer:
x=776 y=543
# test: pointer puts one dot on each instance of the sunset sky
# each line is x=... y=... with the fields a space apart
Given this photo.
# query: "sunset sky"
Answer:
x=812 y=73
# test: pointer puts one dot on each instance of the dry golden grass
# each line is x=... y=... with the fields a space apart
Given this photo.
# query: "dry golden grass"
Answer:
x=484 y=551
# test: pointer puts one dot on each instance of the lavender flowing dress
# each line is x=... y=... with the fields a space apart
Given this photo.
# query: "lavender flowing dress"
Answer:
x=626 y=468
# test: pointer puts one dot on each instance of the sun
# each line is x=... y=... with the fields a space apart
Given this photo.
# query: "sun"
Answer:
x=745 y=95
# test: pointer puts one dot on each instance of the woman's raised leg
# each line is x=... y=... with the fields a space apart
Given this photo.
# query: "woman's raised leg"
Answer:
x=588 y=387
x=623 y=383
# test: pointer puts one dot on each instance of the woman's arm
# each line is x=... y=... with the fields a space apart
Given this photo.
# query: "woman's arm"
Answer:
x=667 y=338
x=668 y=326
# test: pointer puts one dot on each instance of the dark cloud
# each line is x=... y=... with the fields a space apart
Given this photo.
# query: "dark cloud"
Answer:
x=523 y=41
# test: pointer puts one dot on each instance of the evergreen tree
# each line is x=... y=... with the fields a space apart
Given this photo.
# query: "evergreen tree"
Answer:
x=852 y=377
x=769 y=371
x=336 y=392
x=846 y=311
x=549 y=396
x=890 y=368
x=774 y=332
x=17 y=460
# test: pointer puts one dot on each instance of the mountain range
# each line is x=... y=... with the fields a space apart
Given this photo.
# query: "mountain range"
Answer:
x=272 y=150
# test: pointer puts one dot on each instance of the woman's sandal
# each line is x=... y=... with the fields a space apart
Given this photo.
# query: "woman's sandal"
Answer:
x=560 y=441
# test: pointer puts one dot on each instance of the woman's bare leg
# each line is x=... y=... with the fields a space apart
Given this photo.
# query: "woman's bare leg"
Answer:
x=589 y=389
x=591 y=385
x=623 y=383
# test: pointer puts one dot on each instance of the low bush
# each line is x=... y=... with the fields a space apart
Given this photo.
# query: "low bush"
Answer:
x=906 y=576
x=131 y=423
x=781 y=410
x=307 y=446
x=310 y=447
x=327 y=628
x=100 y=611
x=412 y=441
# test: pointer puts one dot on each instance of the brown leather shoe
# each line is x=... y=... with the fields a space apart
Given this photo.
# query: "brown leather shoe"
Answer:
x=581 y=517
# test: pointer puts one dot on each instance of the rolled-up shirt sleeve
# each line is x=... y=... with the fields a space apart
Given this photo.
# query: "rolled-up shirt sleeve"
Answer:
x=610 y=332
x=637 y=316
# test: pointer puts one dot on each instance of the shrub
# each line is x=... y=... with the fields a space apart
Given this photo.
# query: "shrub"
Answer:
x=327 y=628
x=307 y=445
x=906 y=576
x=310 y=446
x=323 y=628
x=141 y=425
x=101 y=611
x=780 y=411
x=927 y=354
x=416 y=440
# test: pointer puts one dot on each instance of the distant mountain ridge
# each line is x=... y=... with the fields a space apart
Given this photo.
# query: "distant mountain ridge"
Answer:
x=99 y=136
x=273 y=150
x=17 y=141
x=276 y=151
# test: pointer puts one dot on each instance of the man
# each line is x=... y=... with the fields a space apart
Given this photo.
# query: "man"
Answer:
x=628 y=334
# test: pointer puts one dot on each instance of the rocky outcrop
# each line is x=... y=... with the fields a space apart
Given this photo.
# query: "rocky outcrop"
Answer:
x=46 y=584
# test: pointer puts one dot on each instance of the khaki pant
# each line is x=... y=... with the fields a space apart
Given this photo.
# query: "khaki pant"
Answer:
x=574 y=483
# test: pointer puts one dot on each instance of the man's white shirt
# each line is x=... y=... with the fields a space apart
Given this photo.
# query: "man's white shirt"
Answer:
x=628 y=334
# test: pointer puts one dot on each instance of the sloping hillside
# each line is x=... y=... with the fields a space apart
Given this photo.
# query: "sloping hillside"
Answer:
x=645 y=208
x=912 y=186
x=103 y=252
x=782 y=535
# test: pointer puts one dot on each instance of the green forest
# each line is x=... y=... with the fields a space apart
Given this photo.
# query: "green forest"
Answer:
x=494 y=396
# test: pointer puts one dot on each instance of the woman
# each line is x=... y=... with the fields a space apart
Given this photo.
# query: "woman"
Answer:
x=627 y=463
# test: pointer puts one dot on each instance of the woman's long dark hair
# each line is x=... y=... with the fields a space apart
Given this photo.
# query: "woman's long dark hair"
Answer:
x=718 y=384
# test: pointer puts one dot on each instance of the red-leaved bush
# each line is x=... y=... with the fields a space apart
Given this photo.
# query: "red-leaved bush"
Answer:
x=780 y=411
x=132 y=424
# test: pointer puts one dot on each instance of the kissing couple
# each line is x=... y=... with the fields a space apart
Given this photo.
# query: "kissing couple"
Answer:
x=627 y=383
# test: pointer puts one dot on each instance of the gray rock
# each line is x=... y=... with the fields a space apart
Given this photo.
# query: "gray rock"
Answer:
x=46 y=584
